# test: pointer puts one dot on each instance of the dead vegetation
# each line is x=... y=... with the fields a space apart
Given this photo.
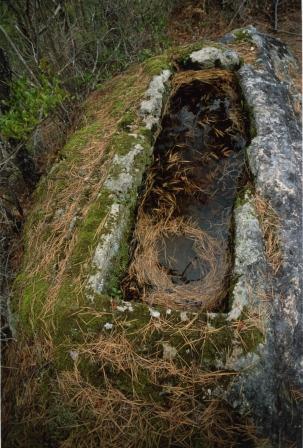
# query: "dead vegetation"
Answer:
x=146 y=270
x=24 y=371
x=115 y=420
x=246 y=51
x=120 y=390
x=269 y=221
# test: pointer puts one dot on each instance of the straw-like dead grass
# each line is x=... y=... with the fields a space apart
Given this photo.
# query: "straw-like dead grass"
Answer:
x=113 y=419
x=174 y=415
x=270 y=225
x=153 y=279
x=247 y=51
x=122 y=391
x=117 y=420
x=23 y=371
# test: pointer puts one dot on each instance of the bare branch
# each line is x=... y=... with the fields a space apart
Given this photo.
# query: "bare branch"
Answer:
x=33 y=76
x=276 y=4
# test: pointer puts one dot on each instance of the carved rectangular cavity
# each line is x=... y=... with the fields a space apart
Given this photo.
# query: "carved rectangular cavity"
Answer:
x=181 y=255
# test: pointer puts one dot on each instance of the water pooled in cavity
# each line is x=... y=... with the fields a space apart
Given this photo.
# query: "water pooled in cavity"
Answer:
x=190 y=191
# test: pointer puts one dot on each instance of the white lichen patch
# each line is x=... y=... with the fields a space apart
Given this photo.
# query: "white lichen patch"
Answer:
x=238 y=360
x=212 y=56
x=154 y=313
x=183 y=316
x=126 y=306
x=169 y=352
x=74 y=354
x=106 y=249
x=151 y=107
x=124 y=164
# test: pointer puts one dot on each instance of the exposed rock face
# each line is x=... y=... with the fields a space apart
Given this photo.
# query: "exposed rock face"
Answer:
x=215 y=57
x=151 y=107
x=274 y=158
x=128 y=179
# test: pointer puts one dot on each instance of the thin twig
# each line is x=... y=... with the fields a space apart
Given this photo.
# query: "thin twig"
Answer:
x=237 y=12
x=289 y=32
x=10 y=156
x=19 y=55
x=276 y=4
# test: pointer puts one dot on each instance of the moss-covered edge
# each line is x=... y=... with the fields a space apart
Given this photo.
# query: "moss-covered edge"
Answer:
x=28 y=285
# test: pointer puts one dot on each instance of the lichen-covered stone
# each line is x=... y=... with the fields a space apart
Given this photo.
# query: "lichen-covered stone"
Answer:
x=151 y=107
x=215 y=57
x=124 y=178
x=120 y=183
x=107 y=248
x=274 y=158
x=123 y=183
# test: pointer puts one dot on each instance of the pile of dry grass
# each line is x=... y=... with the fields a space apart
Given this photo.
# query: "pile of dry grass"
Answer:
x=154 y=282
x=116 y=420
x=117 y=392
x=162 y=402
x=24 y=369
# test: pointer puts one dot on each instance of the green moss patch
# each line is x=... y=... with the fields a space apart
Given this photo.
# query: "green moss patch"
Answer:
x=242 y=35
x=153 y=66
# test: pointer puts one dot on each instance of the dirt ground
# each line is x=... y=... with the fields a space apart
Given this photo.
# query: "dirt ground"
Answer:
x=197 y=20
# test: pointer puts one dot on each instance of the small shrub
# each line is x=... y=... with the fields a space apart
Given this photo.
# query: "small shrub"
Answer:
x=28 y=105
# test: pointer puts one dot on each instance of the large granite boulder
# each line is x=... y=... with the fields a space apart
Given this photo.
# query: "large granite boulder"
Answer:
x=87 y=357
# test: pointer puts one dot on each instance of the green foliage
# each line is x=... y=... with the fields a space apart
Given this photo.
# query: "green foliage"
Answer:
x=242 y=35
x=144 y=54
x=116 y=293
x=28 y=105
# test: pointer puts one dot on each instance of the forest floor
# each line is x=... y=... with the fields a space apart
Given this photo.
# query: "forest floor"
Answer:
x=191 y=23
